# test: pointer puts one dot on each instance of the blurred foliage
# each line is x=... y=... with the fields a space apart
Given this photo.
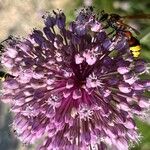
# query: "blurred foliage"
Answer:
x=144 y=129
x=7 y=139
x=19 y=17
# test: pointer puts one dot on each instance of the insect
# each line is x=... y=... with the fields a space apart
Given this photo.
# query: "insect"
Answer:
x=134 y=44
x=6 y=40
x=10 y=37
x=1 y=47
x=4 y=75
x=116 y=22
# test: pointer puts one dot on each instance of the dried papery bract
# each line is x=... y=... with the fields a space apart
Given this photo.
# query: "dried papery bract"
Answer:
x=70 y=90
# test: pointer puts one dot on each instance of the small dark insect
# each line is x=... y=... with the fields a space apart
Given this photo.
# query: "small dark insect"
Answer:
x=4 y=75
x=9 y=38
x=2 y=45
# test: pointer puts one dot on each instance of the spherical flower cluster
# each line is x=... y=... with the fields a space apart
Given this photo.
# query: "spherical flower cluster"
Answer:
x=74 y=87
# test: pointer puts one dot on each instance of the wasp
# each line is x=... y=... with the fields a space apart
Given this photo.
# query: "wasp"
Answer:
x=4 y=75
x=134 y=44
x=116 y=22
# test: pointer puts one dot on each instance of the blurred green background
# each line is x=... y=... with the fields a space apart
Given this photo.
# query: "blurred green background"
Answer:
x=19 y=17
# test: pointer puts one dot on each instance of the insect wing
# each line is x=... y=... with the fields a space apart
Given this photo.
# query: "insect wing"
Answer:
x=139 y=16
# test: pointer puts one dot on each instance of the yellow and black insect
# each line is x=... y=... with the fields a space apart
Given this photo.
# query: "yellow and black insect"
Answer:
x=134 y=44
x=116 y=22
x=4 y=75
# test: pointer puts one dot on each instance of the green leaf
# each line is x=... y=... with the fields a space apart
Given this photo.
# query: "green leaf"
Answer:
x=144 y=129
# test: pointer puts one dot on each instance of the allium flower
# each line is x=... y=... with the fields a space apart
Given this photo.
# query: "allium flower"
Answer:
x=74 y=87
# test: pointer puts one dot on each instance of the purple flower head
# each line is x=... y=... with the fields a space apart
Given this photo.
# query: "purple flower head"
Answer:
x=74 y=86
